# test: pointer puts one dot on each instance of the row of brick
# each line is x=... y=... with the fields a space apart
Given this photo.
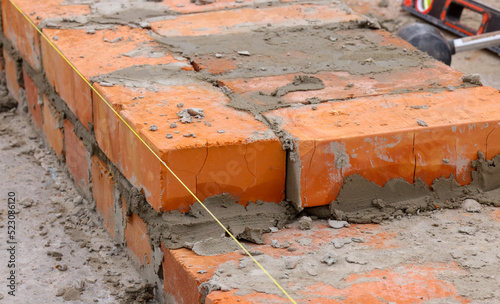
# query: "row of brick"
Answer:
x=52 y=123
x=110 y=204
x=402 y=283
x=231 y=151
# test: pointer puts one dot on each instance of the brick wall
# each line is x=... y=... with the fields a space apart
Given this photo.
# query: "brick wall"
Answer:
x=363 y=123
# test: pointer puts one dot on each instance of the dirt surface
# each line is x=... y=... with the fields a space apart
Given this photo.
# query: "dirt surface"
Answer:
x=63 y=253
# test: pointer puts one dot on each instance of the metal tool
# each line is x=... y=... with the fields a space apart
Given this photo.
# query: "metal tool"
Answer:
x=456 y=15
x=429 y=39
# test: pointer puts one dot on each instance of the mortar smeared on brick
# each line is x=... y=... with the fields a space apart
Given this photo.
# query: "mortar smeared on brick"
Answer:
x=362 y=201
x=178 y=230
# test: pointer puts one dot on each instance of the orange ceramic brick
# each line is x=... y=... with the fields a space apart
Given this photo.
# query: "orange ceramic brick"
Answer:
x=412 y=284
x=496 y=215
x=385 y=137
x=321 y=235
x=178 y=283
x=226 y=151
x=22 y=34
x=191 y=7
x=102 y=191
x=76 y=156
x=33 y=98
x=52 y=127
x=229 y=297
x=184 y=271
x=138 y=239
x=361 y=77
x=11 y=75
x=100 y=53
x=245 y=20
x=342 y=85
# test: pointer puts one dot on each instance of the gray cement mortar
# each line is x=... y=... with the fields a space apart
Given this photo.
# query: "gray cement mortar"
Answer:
x=177 y=230
x=433 y=238
x=362 y=201
x=336 y=47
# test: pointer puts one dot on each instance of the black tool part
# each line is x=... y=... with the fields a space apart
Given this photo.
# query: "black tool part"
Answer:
x=447 y=14
x=427 y=39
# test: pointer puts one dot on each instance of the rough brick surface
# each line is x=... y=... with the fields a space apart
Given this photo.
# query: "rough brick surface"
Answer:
x=94 y=56
x=185 y=270
x=138 y=239
x=380 y=139
x=52 y=127
x=76 y=157
x=184 y=7
x=183 y=273
x=102 y=191
x=34 y=100
x=11 y=75
x=384 y=111
x=231 y=153
x=342 y=85
x=22 y=34
x=248 y=19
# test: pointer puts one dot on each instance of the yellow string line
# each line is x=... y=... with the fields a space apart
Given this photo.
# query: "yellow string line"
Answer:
x=150 y=149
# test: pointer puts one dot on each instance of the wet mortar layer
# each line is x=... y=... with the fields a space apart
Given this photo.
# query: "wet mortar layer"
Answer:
x=362 y=201
x=430 y=245
x=336 y=47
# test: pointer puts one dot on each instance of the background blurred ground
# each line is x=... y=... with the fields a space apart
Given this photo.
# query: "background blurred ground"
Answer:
x=392 y=17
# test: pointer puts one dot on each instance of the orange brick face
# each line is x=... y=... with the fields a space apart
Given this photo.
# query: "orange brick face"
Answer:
x=72 y=89
x=11 y=75
x=21 y=34
x=412 y=284
x=103 y=192
x=337 y=83
x=76 y=156
x=178 y=283
x=138 y=239
x=92 y=57
x=33 y=98
x=52 y=127
x=380 y=139
x=248 y=19
x=211 y=163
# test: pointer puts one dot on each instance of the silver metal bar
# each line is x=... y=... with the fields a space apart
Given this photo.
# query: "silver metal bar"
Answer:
x=481 y=41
